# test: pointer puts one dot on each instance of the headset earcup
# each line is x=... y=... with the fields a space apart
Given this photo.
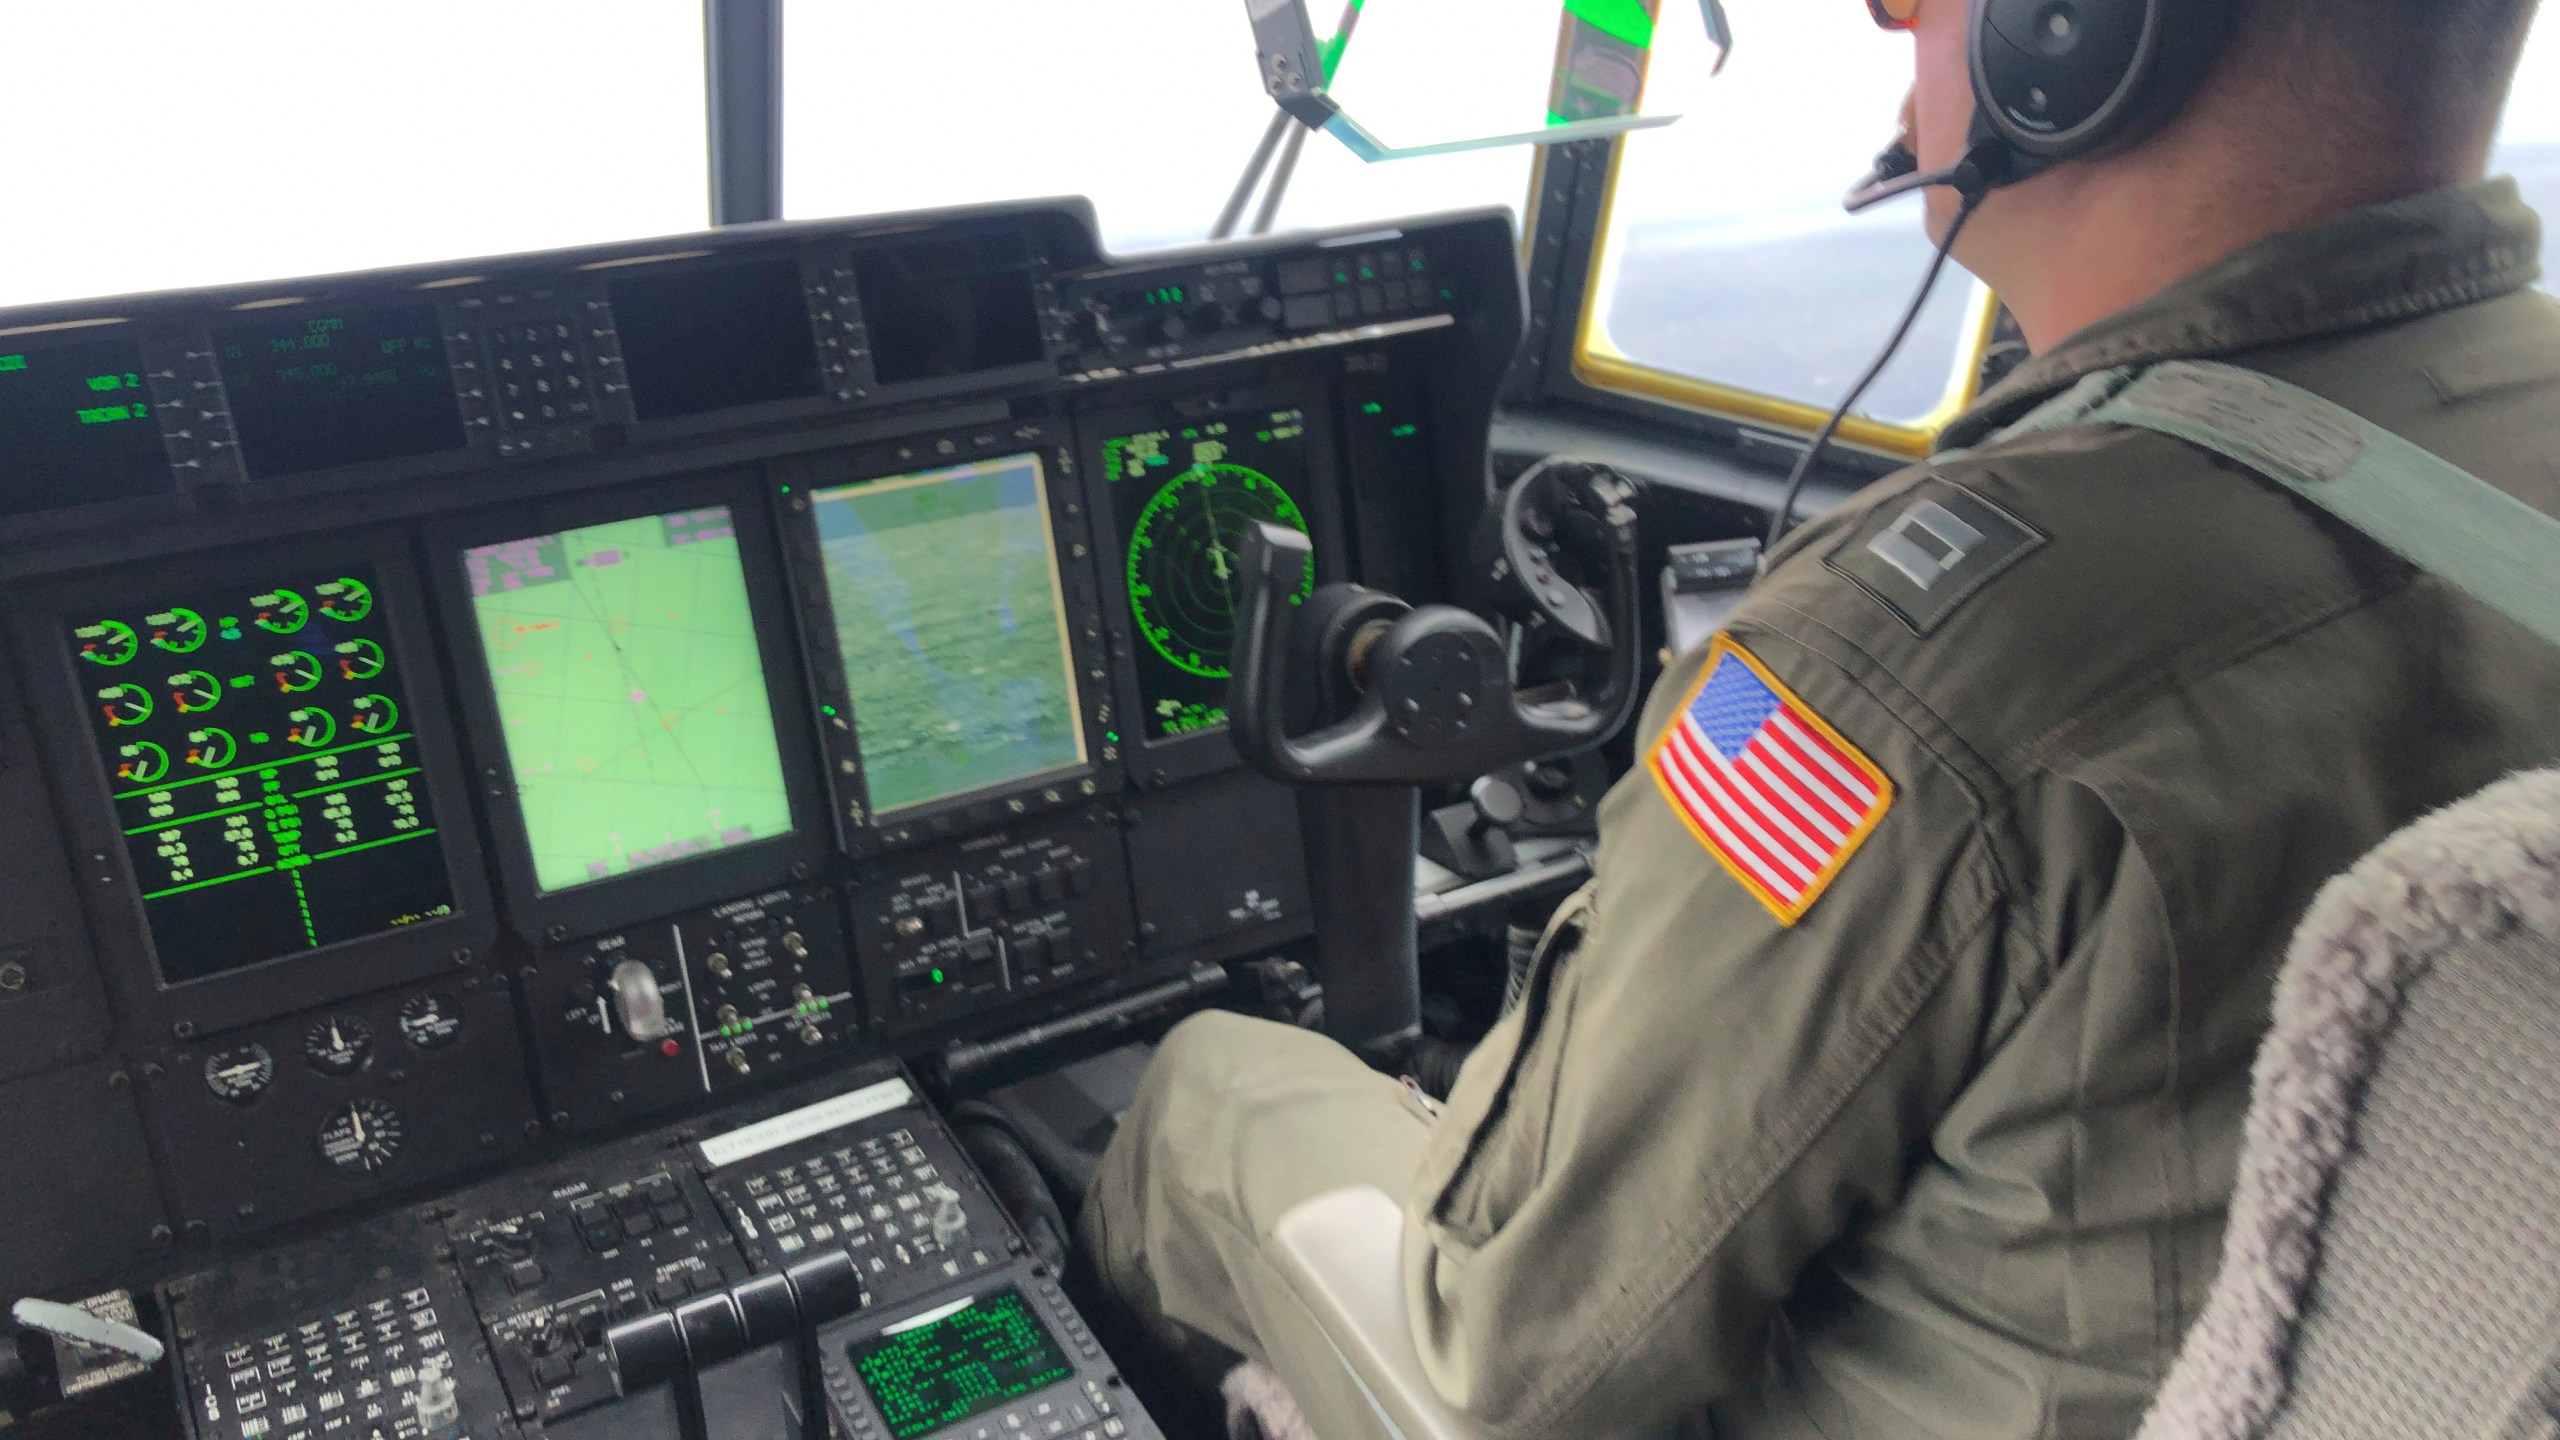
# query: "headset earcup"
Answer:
x=2058 y=79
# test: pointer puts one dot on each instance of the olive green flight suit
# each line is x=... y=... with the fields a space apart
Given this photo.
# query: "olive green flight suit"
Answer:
x=1948 y=1155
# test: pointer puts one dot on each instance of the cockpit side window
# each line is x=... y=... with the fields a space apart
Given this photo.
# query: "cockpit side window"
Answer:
x=1727 y=279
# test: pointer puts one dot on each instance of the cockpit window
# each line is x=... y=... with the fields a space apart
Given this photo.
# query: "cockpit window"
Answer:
x=185 y=145
x=1729 y=279
x=1149 y=107
x=2529 y=145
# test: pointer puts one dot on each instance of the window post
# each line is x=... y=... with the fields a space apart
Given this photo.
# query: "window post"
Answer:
x=742 y=57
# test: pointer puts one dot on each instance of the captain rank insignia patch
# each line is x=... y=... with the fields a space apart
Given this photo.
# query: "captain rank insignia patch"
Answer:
x=1774 y=793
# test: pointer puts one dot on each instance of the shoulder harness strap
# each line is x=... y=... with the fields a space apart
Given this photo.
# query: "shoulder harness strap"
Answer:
x=2430 y=512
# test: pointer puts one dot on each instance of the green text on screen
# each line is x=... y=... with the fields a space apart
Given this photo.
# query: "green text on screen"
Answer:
x=951 y=624
x=631 y=693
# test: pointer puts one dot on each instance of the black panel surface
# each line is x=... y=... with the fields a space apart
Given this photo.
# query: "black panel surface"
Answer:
x=76 y=425
x=992 y=922
x=753 y=988
x=345 y=1330
x=1218 y=866
x=53 y=1010
x=343 y=387
x=76 y=1196
x=712 y=338
x=404 y=1086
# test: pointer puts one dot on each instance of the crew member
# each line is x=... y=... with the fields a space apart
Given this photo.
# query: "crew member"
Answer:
x=1893 y=1086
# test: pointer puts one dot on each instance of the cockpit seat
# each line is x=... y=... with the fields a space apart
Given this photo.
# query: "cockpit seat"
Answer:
x=2392 y=1265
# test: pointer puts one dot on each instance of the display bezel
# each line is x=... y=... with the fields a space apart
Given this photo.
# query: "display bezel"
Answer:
x=1035 y=268
x=1205 y=752
x=660 y=890
x=41 y=623
x=858 y=830
x=353 y=303
x=149 y=346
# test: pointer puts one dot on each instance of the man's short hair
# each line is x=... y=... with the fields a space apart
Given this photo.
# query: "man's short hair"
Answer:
x=2433 y=71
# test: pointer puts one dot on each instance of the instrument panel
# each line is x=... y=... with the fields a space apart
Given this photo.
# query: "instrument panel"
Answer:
x=456 y=716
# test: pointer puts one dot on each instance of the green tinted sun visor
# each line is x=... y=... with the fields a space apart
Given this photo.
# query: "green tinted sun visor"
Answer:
x=1394 y=78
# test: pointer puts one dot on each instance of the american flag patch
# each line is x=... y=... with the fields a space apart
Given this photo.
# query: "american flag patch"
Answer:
x=1775 y=793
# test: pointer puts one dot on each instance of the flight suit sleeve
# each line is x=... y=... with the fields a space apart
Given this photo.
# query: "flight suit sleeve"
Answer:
x=1700 y=1097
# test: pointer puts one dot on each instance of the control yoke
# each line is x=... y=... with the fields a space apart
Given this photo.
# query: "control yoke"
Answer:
x=1429 y=690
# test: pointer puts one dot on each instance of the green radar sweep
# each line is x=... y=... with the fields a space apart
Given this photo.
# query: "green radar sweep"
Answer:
x=1183 y=559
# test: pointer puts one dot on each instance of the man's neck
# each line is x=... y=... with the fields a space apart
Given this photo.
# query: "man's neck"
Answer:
x=2103 y=242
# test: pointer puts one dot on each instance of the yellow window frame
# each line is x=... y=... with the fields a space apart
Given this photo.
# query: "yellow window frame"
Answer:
x=1601 y=365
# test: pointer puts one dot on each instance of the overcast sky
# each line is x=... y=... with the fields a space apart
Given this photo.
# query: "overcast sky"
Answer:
x=158 y=143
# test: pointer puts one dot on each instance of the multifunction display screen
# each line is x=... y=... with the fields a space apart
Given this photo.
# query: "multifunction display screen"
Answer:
x=1183 y=498
x=699 y=339
x=949 y=307
x=310 y=391
x=993 y=1350
x=76 y=427
x=630 y=692
x=952 y=627
x=260 y=746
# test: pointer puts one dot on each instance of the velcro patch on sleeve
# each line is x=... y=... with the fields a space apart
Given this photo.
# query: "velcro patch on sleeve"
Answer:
x=1772 y=791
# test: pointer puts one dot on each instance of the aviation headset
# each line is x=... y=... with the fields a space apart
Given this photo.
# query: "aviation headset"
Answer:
x=2054 y=80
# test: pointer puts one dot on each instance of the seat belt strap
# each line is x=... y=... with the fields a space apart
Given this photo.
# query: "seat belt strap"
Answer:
x=2430 y=512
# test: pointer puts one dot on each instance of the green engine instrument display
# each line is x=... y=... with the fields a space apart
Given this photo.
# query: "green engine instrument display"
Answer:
x=259 y=745
x=951 y=624
x=631 y=693
x=989 y=1351
x=1183 y=497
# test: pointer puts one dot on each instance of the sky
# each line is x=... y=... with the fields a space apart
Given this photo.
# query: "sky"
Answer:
x=160 y=143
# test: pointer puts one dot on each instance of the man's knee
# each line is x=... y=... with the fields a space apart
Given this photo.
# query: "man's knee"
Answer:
x=1217 y=1052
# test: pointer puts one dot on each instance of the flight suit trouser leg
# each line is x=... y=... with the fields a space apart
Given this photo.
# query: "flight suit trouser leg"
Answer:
x=1237 y=1121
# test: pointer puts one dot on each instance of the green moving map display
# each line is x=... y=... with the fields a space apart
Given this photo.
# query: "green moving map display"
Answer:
x=631 y=693
x=952 y=628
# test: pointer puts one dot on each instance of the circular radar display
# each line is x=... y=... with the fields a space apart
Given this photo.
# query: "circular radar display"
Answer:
x=361 y=1136
x=1184 y=565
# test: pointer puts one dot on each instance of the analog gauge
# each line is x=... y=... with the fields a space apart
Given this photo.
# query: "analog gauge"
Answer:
x=361 y=1136
x=179 y=630
x=109 y=642
x=345 y=600
x=295 y=670
x=311 y=727
x=141 y=763
x=360 y=659
x=212 y=748
x=1183 y=553
x=196 y=692
x=240 y=1074
x=431 y=1022
x=282 y=612
x=125 y=704
x=373 y=714
x=338 y=1045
